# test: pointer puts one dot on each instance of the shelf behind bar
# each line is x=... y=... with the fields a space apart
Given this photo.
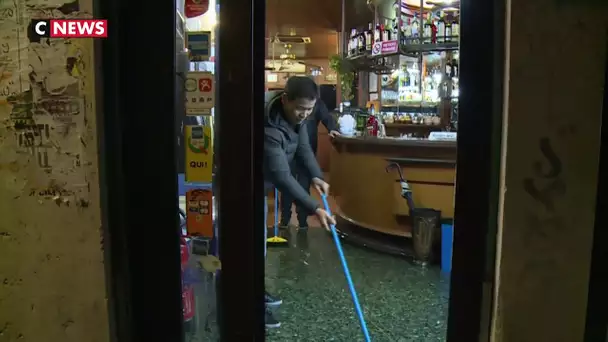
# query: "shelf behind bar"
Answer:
x=406 y=49
x=428 y=48
x=406 y=125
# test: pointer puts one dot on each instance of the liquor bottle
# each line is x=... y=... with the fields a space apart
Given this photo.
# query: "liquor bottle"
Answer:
x=377 y=33
x=455 y=28
x=441 y=28
x=406 y=78
x=448 y=68
x=415 y=30
x=352 y=42
x=433 y=31
x=428 y=30
x=361 y=41
x=369 y=37
x=407 y=32
x=386 y=32
x=395 y=31
x=349 y=45
x=372 y=125
x=454 y=68
x=448 y=30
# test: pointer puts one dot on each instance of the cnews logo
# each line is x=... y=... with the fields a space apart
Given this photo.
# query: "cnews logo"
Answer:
x=70 y=28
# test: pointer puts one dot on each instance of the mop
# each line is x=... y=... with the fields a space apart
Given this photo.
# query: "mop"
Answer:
x=349 y=280
x=276 y=240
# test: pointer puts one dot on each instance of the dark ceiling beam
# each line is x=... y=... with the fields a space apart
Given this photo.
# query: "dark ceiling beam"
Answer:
x=316 y=15
x=358 y=14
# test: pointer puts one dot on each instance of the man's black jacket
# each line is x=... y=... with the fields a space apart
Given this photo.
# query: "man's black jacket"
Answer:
x=320 y=114
x=284 y=143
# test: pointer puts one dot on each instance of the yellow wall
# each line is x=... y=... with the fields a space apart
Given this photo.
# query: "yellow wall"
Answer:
x=556 y=61
x=52 y=285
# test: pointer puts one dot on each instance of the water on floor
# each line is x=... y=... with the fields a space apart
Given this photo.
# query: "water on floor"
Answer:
x=401 y=301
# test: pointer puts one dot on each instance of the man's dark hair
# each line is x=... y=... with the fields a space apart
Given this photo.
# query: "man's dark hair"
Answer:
x=301 y=87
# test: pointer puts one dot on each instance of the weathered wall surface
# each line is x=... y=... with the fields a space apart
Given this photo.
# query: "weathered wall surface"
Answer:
x=556 y=60
x=52 y=284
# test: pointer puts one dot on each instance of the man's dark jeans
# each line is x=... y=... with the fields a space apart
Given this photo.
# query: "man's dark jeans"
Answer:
x=303 y=177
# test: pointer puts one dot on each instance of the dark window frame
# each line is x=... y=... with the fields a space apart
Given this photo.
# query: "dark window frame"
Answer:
x=596 y=324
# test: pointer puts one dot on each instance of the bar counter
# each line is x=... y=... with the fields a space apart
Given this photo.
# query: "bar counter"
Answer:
x=370 y=198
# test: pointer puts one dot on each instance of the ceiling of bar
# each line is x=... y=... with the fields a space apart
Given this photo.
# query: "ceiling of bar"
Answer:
x=314 y=15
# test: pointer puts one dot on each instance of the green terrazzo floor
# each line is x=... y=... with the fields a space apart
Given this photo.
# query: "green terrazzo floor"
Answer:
x=401 y=301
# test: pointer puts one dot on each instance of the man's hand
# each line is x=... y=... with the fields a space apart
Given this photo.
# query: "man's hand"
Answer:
x=321 y=186
x=334 y=134
x=325 y=219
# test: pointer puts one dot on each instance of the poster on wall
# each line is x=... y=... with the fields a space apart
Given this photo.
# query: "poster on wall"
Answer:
x=199 y=45
x=199 y=154
x=199 y=213
x=195 y=8
x=200 y=92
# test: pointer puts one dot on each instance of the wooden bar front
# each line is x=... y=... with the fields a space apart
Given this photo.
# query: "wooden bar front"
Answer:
x=369 y=197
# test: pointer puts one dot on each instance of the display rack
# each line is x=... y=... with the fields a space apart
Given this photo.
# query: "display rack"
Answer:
x=384 y=57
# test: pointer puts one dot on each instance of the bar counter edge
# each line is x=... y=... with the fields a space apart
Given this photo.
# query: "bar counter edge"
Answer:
x=369 y=198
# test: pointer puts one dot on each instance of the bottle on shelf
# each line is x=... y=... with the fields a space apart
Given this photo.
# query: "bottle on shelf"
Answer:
x=369 y=37
x=433 y=29
x=415 y=30
x=377 y=33
x=386 y=31
x=428 y=30
x=455 y=28
x=361 y=42
x=415 y=76
x=406 y=78
x=395 y=29
x=349 y=46
x=448 y=68
x=353 y=42
x=372 y=125
x=441 y=28
x=454 y=68
x=448 y=30
x=407 y=31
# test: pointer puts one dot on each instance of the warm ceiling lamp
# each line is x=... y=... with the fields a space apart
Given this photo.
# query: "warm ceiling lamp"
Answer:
x=446 y=5
x=449 y=3
x=416 y=3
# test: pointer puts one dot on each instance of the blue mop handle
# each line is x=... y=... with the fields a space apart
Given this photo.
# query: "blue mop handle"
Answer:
x=349 y=280
x=276 y=212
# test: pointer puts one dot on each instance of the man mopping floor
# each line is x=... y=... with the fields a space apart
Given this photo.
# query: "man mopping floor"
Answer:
x=286 y=141
x=320 y=115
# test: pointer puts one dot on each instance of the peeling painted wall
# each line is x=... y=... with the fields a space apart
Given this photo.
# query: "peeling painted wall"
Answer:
x=555 y=78
x=52 y=285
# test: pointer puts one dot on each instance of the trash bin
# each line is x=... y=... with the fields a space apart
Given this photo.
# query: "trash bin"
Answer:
x=425 y=225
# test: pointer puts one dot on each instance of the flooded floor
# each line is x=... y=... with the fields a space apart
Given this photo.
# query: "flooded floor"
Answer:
x=401 y=301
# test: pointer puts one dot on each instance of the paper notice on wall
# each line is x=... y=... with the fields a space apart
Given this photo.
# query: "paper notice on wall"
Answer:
x=14 y=66
x=199 y=154
x=200 y=92
x=9 y=15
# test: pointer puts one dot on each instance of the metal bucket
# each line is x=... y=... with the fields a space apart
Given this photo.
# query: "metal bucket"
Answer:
x=425 y=225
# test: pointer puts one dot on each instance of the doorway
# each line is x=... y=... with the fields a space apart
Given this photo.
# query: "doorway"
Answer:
x=139 y=82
